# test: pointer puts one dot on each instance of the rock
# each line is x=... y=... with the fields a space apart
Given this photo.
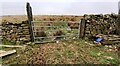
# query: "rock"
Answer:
x=22 y=39
x=26 y=32
x=108 y=57
x=28 y=43
x=97 y=24
x=16 y=32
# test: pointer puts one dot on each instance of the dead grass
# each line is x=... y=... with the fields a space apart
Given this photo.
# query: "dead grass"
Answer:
x=66 y=52
x=20 y=18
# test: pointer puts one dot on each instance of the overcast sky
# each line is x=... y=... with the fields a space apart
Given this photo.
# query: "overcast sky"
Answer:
x=59 y=7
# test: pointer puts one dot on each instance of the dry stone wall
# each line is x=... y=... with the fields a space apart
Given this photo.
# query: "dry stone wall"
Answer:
x=101 y=24
x=95 y=24
x=15 y=32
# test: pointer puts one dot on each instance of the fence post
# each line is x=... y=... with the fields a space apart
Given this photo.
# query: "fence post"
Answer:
x=118 y=22
x=82 y=27
x=30 y=19
x=119 y=7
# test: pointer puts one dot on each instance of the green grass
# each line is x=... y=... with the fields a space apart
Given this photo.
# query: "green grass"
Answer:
x=6 y=42
x=66 y=52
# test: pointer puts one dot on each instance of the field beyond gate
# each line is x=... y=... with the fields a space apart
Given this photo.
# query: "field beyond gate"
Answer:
x=49 y=31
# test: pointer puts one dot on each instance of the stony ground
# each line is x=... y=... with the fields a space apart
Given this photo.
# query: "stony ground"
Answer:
x=66 y=52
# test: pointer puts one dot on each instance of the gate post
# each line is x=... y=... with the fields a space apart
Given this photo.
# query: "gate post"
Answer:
x=118 y=22
x=30 y=19
x=82 y=28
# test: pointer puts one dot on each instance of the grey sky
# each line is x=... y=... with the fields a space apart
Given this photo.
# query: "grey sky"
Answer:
x=73 y=7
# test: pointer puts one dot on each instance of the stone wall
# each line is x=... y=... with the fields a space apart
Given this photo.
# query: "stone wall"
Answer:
x=96 y=24
x=15 y=32
x=101 y=24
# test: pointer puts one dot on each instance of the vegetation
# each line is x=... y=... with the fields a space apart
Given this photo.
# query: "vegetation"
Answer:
x=66 y=52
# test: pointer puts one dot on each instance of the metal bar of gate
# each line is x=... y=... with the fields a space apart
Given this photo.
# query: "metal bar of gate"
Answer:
x=46 y=31
x=45 y=26
x=57 y=36
x=79 y=29
x=49 y=31
x=53 y=40
x=0 y=33
x=33 y=31
x=53 y=21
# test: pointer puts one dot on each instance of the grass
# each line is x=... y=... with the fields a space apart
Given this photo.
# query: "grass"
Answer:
x=66 y=52
x=62 y=26
x=104 y=57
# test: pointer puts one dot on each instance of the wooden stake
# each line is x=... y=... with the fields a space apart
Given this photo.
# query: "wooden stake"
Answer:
x=11 y=46
x=30 y=19
x=118 y=23
x=7 y=53
x=82 y=28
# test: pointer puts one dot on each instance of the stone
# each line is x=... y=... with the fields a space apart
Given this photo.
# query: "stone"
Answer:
x=24 y=25
x=98 y=24
x=23 y=39
x=14 y=31
x=28 y=43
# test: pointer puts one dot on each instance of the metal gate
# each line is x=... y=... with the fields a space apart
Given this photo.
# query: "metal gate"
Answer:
x=49 y=31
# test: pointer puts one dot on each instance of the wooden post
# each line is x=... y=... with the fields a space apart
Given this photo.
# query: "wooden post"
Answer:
x=30 y=19
x=82 y=27
x=119 y=7
x=118 y=29
x=118 y=22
